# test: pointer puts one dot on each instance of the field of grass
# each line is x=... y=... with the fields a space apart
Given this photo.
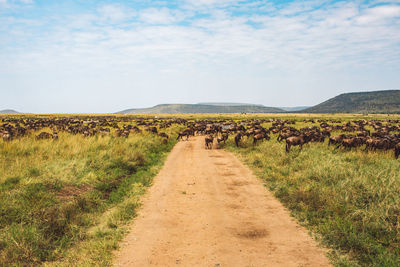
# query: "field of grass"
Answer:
x=350 y=200
x=66 y=201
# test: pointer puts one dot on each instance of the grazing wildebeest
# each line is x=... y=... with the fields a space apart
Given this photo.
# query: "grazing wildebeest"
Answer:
x=209 y=141
x=285 y=135
x=152 y=129
x=378 y=143
x=397 y=150
x=119 y=132
x=44 y=135
x=223 y=138
x=186 y=133
x=334 y=140
x=296 y=141
x=350 y=142
x=260 y=136
x=163 y=135
x=237 y=139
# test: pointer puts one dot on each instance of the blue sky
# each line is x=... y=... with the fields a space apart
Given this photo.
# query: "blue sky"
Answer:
x=105 y=56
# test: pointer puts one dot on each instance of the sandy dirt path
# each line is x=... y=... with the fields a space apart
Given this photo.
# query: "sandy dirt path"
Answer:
x=206 y=208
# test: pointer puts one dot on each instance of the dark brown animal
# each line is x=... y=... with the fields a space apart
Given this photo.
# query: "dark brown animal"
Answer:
x=351 y=142
x=378 y=143
x=334 y=140
x=209 y=141
x=238 y=137
x=284 y=135
x=296 y=141
x=163 y=135
x=43 y=135
x=397 y=150
x=152 y=129
x=223 y=138
x=186 y=133
x=259 y=136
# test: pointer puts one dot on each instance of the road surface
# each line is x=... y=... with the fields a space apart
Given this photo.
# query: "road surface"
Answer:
x=206 y=208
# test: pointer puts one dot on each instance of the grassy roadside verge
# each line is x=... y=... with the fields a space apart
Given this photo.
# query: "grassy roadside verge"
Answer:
x=349 y=199
x=66 y=201
x=102 y=239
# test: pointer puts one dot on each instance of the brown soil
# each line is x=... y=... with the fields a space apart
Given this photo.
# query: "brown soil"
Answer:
x=207 y=209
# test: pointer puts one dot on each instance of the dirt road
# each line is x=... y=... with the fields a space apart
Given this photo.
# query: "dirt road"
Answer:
x=207 y=209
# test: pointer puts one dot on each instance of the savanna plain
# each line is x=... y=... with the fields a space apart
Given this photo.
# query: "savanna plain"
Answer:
x=70 y=185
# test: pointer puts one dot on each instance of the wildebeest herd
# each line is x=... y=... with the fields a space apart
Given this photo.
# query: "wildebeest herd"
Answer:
x=385 y=135
x=48 y=128
x=369 y=134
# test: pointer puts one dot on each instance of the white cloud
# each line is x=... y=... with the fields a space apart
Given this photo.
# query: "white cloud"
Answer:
x=8 y=3
x=198 y=3
x=336 y=30
x=160 y=16
x=115 y=13
x=378 y=14
x=330 y=36
x=205 y=39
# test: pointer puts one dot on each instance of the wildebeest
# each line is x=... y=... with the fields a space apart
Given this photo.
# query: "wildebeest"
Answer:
x=284 y=135
x=296 y=141
x=350 y=142
x=163 y=135
x=209 y=141
x=397 y=150
x=223 y=138
x=376 y=143
x=119 y=133
x=152 y=129
x=237 y=139
x=186 y=133
x=45 y=135
x=335 y=140
x=260 y=136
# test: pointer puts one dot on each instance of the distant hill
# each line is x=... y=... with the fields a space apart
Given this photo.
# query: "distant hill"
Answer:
x=202 y=108
x=300 y=108
x=226 y=104
x=387 y=101
x=9 y=111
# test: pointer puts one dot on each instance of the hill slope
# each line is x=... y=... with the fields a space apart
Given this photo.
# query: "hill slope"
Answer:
x=9 y=111
x=201 y=108
x=292 y=109
x=387 y=101
x=227 y=104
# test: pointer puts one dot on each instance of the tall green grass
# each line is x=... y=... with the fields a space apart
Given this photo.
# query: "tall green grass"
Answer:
x=349 y=199
x=52 y=192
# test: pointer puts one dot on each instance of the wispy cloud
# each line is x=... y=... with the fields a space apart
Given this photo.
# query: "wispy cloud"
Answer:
x=12 y=3
x=160 y=16
x=297 y=31
x=204 y=36
x=115 y=13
